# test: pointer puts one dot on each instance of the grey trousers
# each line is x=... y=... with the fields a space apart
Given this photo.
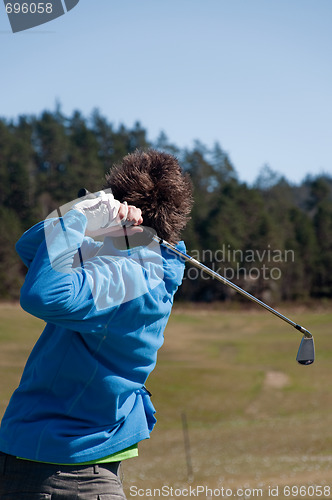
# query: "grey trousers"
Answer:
x=25 y=480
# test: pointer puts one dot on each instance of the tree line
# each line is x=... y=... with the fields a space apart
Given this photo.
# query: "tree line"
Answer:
x=272 y=238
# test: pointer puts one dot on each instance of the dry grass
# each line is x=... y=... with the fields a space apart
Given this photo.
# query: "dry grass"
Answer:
x=18 y=333
x=256 y=418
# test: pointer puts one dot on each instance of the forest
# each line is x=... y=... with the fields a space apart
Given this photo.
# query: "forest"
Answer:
x=272 y=238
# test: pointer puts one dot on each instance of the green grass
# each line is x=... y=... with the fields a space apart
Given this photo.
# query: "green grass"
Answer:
x=256 y=418
x=18 y=333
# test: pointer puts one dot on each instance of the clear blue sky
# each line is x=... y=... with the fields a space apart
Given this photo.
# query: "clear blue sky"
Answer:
x=254 y=75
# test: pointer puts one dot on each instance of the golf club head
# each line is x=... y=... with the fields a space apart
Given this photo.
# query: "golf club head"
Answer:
x=306 y=352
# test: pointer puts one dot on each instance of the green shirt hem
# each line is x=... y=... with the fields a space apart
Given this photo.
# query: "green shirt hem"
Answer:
x=130 y=452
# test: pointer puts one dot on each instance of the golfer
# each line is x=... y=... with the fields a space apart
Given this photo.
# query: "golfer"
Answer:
x=81 y=406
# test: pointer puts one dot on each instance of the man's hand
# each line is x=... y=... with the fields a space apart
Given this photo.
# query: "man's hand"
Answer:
x=130 y=215
x=106 y=215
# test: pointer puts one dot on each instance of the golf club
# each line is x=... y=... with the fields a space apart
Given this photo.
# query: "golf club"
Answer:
x=306 y=352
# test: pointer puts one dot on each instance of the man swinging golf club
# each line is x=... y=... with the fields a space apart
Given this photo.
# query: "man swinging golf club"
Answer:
x=81 y=406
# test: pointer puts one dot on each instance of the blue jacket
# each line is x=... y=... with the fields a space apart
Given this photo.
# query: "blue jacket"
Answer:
x=82 y=395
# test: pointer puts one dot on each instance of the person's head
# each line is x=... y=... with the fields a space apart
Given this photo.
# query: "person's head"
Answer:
x=154 y=182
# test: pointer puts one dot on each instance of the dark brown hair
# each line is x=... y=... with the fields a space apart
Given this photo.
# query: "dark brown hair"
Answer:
x=154 y=182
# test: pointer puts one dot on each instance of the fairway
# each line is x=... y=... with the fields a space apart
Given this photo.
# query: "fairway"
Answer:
x=257 y=420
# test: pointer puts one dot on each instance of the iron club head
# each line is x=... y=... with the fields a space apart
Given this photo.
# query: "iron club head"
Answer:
x=306 y=352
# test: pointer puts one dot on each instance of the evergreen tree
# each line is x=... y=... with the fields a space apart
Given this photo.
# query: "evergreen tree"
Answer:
x=44 y=160
x=85 y=169
x=11 y=268
x=105 y=136
x=323 y=269
x=19 y=168
x=162 y=144
x=299 y=271
x=5 y=148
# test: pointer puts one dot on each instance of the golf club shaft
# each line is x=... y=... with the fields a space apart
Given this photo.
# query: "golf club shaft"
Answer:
x=213 y=274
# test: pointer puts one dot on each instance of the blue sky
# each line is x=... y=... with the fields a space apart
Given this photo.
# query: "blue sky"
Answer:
x=254 y=75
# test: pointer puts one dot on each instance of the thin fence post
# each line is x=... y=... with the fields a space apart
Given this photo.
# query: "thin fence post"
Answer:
x=190 y=474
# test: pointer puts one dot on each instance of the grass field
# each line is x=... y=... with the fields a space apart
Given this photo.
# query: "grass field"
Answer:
x=256 y=419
